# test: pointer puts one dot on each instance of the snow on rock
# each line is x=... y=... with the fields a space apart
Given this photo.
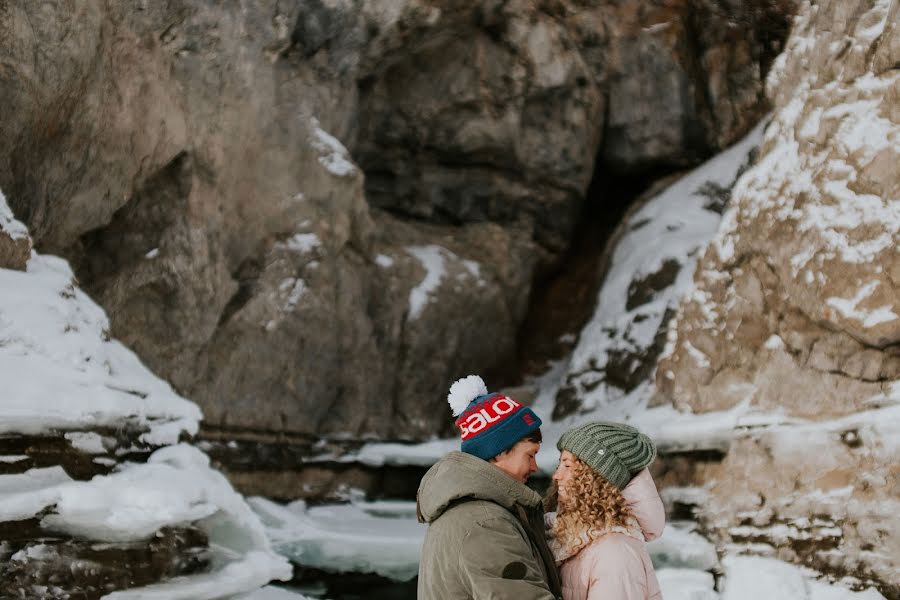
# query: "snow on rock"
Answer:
x=86 y=441
x=437 y=262
x=822 y=204
x=424 y=454
x=302 y=242
x=73 y=394
x=15 y=244
x=332 y=153
x=750 y=578
x=8 y=223
x=651 y=268
x=795 y=307
x=62 y=371
x=252 y=570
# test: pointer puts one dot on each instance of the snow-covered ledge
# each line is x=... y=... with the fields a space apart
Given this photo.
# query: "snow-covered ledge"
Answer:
x=64 y=379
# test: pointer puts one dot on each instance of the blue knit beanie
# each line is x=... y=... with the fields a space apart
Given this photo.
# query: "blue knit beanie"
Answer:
x=490 y=423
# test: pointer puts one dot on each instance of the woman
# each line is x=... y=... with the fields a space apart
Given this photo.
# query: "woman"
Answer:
x=607 y=507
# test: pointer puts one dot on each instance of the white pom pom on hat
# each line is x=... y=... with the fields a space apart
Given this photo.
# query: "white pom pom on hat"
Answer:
x=464 y=391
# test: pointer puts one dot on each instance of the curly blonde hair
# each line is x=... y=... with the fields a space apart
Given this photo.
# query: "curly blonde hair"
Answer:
x=592 y=506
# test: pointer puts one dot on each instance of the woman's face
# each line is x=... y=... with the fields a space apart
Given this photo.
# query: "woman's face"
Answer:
x=563 y=474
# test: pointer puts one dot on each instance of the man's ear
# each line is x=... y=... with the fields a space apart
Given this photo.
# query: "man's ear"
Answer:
x=494 y=459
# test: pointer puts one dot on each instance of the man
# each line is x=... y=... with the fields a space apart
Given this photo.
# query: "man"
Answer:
x=485 y=536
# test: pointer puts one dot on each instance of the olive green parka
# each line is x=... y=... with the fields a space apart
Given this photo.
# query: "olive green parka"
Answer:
x=485 y=538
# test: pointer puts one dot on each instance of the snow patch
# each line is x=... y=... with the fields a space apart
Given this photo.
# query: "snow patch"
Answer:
x=699 y=357
x=334 y=156
x=86 y=441
x=774 y=342
x=869 y=318
x=302 y=243
x=293 y=288
x=8 y=223
x=753 y=577
x=384 y=261
x=432 y=258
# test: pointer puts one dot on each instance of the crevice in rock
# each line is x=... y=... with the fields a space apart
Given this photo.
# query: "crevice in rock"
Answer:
x=136 y=231
x=246 y=275
x=564 y=294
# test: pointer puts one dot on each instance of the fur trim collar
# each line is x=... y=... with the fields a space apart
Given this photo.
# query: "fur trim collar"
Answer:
x=560 y=554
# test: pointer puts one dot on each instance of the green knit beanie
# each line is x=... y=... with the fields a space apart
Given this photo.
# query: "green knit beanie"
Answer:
x=616 y=451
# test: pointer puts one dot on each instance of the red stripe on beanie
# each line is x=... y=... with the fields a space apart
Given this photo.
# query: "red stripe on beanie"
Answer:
x=486 y=415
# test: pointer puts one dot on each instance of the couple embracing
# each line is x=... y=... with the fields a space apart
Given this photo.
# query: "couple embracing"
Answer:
x=489 y=536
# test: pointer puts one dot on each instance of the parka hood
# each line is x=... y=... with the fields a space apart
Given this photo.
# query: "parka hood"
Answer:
x=460 y=476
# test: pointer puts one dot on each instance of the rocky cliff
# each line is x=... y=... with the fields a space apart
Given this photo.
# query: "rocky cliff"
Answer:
x=795 y=306
x=186 y=159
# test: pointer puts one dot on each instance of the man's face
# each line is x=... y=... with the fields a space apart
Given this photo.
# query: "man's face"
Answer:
x=563 y=474
x=518 y=462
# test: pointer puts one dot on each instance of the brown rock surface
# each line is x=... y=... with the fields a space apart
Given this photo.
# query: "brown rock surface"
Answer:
x=172 y=152
x=796 y=303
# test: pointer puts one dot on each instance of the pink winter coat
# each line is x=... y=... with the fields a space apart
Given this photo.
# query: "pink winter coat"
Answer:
x=616 y=566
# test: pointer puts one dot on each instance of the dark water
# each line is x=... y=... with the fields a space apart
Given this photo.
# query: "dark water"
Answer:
x=350 y=586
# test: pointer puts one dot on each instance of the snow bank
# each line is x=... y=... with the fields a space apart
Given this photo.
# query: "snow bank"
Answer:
x=61 y=370
x=253 y=570
x=752 y=577
x=62 y=374
x=686 y=584
x=682 y=547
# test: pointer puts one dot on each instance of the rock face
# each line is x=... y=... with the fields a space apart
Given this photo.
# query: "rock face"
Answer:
x=796 y=306
x=179 y=156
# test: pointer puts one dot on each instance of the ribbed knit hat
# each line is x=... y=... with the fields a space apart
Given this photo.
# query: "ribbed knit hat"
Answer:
x=616 y=451
x=489 y=423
